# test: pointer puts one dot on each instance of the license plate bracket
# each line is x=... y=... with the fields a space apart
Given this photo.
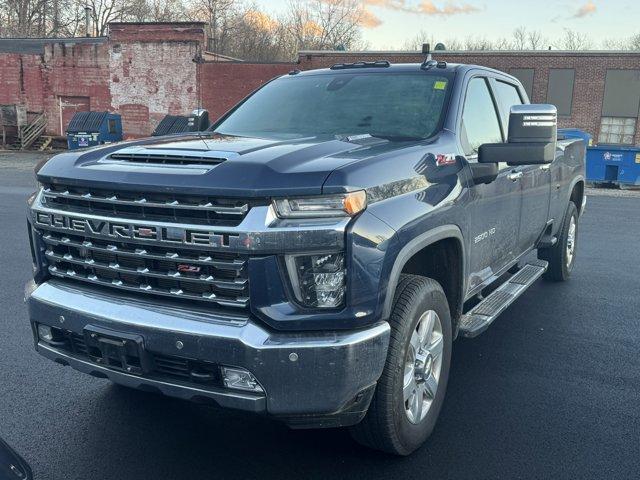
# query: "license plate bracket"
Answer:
x=116 y=350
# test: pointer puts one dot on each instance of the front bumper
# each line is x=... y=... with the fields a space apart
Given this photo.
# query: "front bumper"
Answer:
x=309 y=379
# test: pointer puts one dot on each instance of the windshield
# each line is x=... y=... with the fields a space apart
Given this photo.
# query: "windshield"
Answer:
x=385 y=105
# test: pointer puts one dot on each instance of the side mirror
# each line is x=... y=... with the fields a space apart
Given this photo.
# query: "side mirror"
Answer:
x=533 y=133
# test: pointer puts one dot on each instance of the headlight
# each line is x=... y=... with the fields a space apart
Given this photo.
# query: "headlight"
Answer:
x=340 y=205
x=318 y=281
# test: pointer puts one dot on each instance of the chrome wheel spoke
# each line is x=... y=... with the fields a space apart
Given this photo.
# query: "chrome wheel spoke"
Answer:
x=436 y=347
x=414 y=343
x=417 y=404
x=431 y=385
x=571 y=241
x=409 y=387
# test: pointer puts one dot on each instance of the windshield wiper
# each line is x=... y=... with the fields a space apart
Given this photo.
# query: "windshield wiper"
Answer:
x=391 y=138
x=399 y=138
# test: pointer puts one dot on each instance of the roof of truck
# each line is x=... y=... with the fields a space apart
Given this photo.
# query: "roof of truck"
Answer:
x=382 y=66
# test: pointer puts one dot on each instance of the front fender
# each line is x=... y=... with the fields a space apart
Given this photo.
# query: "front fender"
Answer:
x=411 y=248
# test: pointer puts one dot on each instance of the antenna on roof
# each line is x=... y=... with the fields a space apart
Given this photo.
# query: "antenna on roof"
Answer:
x=426 y=50
x=428 y=60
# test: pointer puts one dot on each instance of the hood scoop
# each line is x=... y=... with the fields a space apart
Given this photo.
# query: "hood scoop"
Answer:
x=174 y=161
x=166 y=159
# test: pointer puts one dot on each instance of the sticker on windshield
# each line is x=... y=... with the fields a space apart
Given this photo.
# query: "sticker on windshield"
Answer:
x=440 y=85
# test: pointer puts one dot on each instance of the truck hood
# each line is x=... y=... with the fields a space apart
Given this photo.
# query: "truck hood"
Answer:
x=211 y=164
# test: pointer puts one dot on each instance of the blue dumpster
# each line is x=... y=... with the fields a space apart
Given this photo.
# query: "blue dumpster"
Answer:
x=613 y=164
x=575 y=133
x=87 y=129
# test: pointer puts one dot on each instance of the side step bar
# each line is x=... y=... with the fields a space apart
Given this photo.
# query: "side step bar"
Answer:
x=478 y=319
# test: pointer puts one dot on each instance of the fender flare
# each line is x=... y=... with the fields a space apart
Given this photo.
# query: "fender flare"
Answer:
x=574 y=182
x=415 y=245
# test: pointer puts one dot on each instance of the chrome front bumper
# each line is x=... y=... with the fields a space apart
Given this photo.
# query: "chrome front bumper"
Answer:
x=309 y=379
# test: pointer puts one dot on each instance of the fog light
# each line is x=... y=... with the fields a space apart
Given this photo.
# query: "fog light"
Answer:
x=318 y=280
x=240 y=379
x=45 y=333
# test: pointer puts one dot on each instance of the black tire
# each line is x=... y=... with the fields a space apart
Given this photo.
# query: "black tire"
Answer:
x=386 y=426
x=560 y=267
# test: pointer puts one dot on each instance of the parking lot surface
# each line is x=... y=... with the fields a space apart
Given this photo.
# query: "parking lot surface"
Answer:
x=552 y=390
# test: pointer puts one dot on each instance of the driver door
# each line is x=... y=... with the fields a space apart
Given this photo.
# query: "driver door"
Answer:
x=495 y=207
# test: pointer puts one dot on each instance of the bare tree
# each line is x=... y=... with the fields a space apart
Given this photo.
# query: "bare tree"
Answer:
x=536 y=40
x=158 y=10
x=520 y=35
x=629 y=43
x=221 y=17
x=321 y=24
x=573 y=40
x=416 y=41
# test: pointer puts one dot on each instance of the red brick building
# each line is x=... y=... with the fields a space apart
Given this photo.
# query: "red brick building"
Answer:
x=147 y=70
x=142 y=71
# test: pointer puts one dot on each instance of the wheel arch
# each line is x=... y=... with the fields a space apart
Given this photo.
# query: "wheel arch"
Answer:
x=454 y=288
x=576 y=193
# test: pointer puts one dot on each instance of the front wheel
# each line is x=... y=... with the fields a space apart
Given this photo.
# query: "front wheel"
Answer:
x=562 y=256
x=411 y=390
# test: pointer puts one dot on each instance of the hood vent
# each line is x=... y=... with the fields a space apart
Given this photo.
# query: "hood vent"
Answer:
x=157 y=159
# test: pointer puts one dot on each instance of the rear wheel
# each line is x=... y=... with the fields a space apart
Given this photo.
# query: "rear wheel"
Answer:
x=411 y=390
x=562 y=256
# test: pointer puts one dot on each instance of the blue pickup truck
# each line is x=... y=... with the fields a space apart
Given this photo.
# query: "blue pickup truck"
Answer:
x=315 y=253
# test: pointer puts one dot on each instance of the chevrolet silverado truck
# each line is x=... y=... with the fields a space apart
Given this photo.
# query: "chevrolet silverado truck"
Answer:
x=313 y=255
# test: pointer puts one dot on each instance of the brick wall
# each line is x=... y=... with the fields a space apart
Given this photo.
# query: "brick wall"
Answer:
x=226 y=83
x=151 y=79
x=21 y=80
x=142 y=71
x=590 y=72
x=72 y=70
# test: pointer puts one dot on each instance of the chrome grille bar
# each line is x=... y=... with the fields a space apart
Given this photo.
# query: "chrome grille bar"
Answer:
x=239 y=210
x=238 y=302
x=232 y=264
x=238 y=284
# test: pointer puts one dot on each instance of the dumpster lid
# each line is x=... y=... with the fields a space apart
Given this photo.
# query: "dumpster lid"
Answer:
x=86 y=122
x=172 y=124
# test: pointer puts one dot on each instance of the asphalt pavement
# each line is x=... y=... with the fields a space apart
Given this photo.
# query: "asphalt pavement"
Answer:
x=552 y=390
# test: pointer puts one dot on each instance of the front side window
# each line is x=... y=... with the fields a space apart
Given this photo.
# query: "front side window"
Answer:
x=479 y=118
x=508 y=96
x=617 y=130
x=391 y=105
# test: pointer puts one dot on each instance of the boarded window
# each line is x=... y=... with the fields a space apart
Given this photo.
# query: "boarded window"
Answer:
x=621 y=93
x=617 y=130
x=525 y=75
x=560 y=89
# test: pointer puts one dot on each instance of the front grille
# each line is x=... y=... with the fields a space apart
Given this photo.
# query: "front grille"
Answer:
x=162 y=367
x=153 y=206
x=214 y=278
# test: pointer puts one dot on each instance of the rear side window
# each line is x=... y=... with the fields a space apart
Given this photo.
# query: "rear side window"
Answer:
x=479 y=118
x=507 y=97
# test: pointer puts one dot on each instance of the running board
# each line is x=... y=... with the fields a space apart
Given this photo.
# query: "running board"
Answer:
x=478 y=319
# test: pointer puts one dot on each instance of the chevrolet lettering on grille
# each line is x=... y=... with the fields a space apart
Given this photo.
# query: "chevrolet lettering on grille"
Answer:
x=120 y=230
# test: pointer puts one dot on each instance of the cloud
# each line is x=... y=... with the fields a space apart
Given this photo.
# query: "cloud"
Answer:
x=585 y=10
x=369 y=20
x=424 y=7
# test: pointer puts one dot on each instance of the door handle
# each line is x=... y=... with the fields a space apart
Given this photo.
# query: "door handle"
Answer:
x=546 y=166
x=514 y=177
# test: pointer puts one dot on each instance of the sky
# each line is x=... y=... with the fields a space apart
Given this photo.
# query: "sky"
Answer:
x=400 y=20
